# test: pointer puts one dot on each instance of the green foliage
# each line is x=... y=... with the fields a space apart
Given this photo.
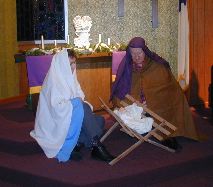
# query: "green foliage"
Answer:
x=93 y=48
x=35 y=52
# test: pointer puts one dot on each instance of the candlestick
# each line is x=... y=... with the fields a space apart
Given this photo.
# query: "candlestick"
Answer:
x=55 y=43
x=108 y=41
x=42 y=41
x=68 y=39
x=99 y=38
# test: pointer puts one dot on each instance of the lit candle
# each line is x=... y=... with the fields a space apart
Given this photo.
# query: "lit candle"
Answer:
x=42 y=41
x=55 y=43
x=108 y=41
x=99 y=38
x=68 y=39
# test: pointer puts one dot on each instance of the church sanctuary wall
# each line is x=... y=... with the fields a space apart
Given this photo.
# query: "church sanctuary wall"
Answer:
x=135 y=22
x=9 y=78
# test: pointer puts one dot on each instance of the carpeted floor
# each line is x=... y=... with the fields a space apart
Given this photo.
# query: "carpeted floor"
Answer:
x=22 y=162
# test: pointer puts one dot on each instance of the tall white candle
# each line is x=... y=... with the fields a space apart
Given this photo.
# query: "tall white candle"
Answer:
x=55 y=43
x=68 y=39
x=99 y=38
x=108 y=41
x=42 y=41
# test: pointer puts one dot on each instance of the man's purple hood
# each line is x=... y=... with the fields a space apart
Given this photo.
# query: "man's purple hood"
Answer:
x=123 y=81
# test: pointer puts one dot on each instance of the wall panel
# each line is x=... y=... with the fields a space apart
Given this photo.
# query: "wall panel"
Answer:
x=201 y=50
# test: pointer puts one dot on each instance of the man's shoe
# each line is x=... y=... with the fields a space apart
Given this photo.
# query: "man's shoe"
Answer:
x=76 y=156
x=172 y=143
x=99 y=152
x=78 y=147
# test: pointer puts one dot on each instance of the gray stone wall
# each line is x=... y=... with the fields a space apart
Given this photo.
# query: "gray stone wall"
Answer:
x=136 y=22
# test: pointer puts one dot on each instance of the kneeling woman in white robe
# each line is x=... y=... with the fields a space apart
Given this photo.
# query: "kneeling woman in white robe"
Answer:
x=63 y=118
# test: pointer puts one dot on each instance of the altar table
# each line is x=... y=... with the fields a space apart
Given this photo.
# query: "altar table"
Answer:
x=93 y=72
x=117 y=57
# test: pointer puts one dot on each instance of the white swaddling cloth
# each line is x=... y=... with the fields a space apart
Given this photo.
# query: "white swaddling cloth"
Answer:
x=131 y=116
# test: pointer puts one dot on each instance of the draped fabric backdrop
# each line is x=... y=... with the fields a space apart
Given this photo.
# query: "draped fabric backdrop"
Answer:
x=183 y=45
x=9 y=82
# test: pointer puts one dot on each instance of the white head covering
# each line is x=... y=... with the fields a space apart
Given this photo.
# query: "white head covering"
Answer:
x=54 y=109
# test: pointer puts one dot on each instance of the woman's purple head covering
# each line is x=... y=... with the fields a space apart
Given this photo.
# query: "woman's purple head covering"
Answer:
x=123 y=81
